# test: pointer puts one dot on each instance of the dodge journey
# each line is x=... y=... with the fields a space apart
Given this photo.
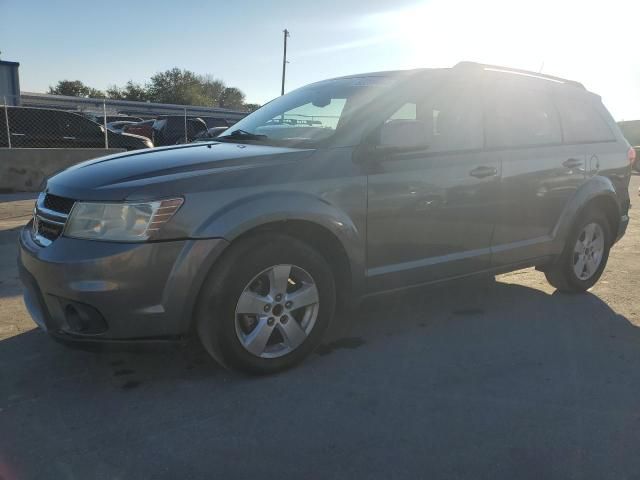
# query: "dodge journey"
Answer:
x=339 y=190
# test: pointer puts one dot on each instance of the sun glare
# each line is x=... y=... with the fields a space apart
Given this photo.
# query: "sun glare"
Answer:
x=584 y=40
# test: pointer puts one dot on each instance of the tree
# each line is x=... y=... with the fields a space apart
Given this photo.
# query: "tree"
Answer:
x=131 y=91
x=176 y=86
x=231 y=98
x=75 y=88
x=211 y=89
x=251 y=107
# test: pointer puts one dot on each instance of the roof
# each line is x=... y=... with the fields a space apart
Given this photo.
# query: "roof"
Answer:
x=517 y=71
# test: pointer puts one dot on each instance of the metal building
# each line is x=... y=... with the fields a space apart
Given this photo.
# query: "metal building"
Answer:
x=9 y=83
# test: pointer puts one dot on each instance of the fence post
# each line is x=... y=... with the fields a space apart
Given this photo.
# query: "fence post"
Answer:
x=6 y=119
x=104 y=117
x=185 y=124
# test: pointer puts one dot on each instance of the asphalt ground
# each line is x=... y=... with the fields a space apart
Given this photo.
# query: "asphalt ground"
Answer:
x=474 y=379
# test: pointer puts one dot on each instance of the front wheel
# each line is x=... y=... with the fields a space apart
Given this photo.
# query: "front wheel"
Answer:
x=267 y=305
x=585 y=255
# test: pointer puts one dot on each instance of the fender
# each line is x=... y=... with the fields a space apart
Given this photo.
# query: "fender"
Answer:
x=597 y=186
x=250 y=212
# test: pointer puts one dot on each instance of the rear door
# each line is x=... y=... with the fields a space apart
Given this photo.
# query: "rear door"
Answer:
x=431 y=213
x=585 y=128
x=539 y=173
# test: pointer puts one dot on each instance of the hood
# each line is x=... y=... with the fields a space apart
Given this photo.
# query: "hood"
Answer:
x=117 y=177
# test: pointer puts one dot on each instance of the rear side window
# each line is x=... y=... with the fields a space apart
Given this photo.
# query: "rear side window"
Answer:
x=520 y=116
x=581 y=122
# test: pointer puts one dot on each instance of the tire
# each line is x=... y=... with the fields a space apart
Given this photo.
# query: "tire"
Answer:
x=563 y=273
x=247 y=271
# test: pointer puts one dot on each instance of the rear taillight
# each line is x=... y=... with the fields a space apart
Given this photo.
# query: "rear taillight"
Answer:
x=631 y=155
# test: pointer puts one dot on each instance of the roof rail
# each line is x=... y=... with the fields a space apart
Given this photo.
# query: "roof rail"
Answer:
x=518 y=71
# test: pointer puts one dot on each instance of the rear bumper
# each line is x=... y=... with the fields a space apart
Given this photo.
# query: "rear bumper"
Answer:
x=90 y=291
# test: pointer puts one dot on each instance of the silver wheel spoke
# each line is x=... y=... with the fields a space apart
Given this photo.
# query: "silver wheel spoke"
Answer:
x=257 y=340
x=279 y=279
x=579 y=266
x=258 y=314
x=251 y=302
x=303 y=297
x=293 y=333
x=589 y=251
x=589 y=232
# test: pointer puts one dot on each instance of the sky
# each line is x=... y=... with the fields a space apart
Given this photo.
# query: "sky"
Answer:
x=240 y=41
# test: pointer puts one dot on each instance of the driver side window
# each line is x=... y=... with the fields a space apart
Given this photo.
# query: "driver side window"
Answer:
x=452 y=118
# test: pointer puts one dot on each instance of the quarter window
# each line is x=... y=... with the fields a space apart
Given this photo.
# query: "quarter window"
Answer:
x=581 y=122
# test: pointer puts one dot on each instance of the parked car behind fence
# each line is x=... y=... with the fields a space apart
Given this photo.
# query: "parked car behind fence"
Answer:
x=144 y=129
x=177 y=129
x=209 y=134
x=29 y=127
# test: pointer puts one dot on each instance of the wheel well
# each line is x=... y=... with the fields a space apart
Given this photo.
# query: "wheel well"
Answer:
x=609 y=207
x=321 y=239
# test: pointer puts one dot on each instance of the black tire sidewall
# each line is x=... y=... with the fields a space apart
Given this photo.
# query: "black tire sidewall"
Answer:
x=246 y=260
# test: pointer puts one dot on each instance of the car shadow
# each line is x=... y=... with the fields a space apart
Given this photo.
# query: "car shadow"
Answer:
x=547 y=383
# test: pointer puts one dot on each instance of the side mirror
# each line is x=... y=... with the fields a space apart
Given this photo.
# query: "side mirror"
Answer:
x=403 y=136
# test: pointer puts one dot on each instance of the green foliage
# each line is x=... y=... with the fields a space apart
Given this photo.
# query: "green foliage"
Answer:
x=232 y=98
x=251 y=107
x=75 y=88
x=131 y=91
x=178 y=86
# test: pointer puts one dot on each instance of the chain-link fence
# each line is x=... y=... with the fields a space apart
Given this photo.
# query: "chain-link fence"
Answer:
x=37 y=127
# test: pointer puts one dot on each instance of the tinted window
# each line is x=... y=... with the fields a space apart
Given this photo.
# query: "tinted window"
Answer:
x=519 y=115
x=581 y=122
x=452 y=117
x=33 y=121
x=72 y=125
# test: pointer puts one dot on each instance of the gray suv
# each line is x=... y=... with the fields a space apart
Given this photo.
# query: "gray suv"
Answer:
x=338 y=190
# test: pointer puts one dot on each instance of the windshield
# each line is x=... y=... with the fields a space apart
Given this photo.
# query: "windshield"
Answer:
x=308 y=116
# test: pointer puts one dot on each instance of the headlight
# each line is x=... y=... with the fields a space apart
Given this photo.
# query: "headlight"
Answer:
x=119 y=222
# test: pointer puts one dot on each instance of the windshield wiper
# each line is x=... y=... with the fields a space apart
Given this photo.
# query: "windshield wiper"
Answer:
x=239 y=133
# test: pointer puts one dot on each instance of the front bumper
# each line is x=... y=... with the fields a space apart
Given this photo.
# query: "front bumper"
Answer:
x=104 y=291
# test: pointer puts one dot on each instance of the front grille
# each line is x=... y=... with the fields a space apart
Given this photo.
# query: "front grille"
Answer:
x=49 y=230
x=58 y=204
x=49 y=218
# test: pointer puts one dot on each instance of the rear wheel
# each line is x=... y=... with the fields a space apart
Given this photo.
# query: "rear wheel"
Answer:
x=585 y=255
x=267 y=305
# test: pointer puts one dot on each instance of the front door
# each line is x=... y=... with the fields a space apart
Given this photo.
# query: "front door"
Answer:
x=431 y=213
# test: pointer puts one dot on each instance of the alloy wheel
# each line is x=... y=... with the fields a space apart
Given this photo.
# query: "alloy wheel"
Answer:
x=588 y=251
x=277 y=311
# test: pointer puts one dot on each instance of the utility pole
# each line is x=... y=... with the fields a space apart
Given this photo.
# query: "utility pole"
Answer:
x=284 y=59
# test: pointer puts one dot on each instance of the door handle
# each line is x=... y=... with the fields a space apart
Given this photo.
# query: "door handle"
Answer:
x=483 y=171
x=69 y=138
x=572 y=163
